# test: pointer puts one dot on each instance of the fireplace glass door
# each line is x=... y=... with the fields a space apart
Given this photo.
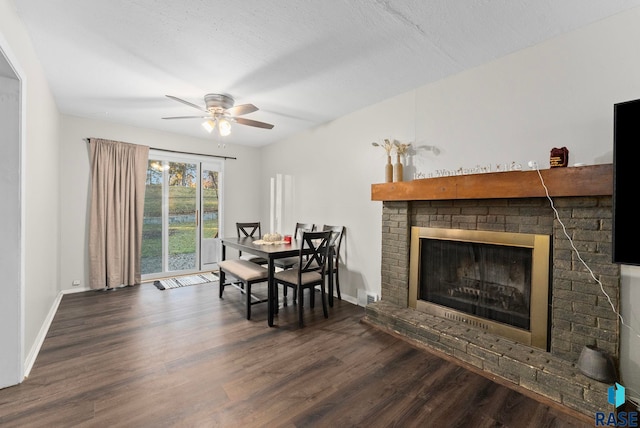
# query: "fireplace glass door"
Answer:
x=485 y=280
x=494 y=281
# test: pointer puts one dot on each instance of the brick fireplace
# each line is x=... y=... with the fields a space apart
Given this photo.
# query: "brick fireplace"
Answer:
x=580 y=313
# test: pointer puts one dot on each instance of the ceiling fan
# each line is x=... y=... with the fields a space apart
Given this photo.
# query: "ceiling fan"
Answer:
x=219 y=110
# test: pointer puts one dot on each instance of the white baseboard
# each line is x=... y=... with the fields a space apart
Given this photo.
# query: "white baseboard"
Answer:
x=35 y=349
x=75 y=290
x=349 y=299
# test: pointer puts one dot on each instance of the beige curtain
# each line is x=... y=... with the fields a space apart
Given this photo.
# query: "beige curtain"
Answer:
x=118 y=174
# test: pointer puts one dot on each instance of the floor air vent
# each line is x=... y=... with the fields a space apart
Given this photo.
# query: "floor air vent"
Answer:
x=364 y=298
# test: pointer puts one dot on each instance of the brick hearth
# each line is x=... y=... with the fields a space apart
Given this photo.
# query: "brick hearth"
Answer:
x=580 y=313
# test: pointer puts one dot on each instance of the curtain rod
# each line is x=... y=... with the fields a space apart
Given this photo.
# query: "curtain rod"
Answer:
x=186 y=153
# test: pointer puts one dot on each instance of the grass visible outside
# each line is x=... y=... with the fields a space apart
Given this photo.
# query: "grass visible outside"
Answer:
x=182 y=200
x=182 y=238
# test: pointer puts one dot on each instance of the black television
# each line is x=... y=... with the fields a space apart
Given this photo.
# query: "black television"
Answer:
x=626 y=216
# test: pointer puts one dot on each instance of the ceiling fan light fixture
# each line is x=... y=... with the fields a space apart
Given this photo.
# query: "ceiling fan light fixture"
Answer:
x=208 y=125
x=220 y=110
x=224 y=127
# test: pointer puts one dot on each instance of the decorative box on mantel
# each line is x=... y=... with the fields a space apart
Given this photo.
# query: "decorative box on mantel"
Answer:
x=512 y=202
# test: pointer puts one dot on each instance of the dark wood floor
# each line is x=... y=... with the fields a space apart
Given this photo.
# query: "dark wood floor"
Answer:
x=141 y=357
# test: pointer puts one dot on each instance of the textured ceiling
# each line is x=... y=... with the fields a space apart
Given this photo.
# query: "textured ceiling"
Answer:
x=302 y=62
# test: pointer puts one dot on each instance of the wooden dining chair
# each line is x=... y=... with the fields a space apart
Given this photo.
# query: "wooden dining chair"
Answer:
x=335 y=242
x=337 y=232
x=309 y=271
x=251 y=230
x=289 y=262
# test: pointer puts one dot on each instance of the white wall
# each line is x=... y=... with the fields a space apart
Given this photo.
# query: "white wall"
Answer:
x=241 y=196
x=559 y=93
x=10 y=227
x=332 y=168
x=39 y=185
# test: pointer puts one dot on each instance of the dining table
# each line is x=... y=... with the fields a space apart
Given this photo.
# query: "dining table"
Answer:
x=271 y=252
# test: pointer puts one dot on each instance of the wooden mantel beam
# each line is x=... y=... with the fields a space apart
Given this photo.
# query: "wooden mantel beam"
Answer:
x=594 y=180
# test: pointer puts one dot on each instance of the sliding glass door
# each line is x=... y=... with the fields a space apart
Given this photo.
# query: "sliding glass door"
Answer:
x=210 y=203
x=181 y=216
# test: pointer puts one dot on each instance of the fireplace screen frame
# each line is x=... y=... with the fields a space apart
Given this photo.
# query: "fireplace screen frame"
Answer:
x=538 y=333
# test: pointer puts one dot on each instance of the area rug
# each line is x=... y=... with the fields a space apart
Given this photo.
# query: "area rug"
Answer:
x=184 y=281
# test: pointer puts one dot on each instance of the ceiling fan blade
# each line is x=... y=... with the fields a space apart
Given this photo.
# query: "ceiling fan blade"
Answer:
x=241 y=109
x=187 y=103
x=250 y=122
x=188 y=117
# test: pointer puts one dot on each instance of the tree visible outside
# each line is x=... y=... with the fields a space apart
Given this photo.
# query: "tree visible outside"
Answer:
x=182 y=205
